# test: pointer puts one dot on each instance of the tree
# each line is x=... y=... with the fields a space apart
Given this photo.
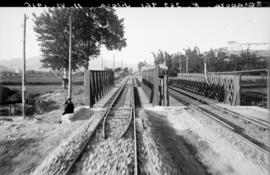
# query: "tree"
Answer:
x=118 y=69
x=91 y=28
x=126 y=70
x=141 y=64
x=159 y=58
x=195 y=60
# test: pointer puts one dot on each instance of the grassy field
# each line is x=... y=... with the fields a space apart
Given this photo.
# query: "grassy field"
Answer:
x=35 y=86
x=39 y=89
x=39 y=80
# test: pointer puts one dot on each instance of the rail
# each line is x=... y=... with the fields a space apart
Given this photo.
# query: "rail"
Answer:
x=84 y=147
x=262 y=150
x=109 y=105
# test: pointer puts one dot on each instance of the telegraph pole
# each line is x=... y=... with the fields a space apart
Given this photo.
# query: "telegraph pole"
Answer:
x=180 y=65
x=69 y=57
x=23 y=69
x=187 y=64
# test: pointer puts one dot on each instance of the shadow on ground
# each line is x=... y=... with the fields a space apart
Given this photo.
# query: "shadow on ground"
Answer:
x=182 y=153
x=10 y=150
x=83 y=114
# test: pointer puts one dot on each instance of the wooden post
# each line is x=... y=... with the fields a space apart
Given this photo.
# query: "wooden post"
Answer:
x=180 y=65
x=156 y=83
x=23 y=69
x=187 y=64
x=268 y=85
x=94 y=86
x=166 y=94
x=69 y=57
x=87 y=87
x=98 y=85
x=92 y=93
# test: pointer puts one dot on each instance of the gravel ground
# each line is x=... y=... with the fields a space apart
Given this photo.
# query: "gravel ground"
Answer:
x=113 y=129
x=217 y=150
x=112 y=156
x=24 y=144
x=58 y=160
x=115 y=119
x=255 y=132
x=123 y=98
x=153 y=158
x=109 y=156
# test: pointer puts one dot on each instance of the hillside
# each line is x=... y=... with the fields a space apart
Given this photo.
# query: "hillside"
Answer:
x=32 y=63
x=5 y=69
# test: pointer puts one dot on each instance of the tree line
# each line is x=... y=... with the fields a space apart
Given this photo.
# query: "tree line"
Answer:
x=217 y=60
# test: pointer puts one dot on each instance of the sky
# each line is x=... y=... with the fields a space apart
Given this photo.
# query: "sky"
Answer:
x=150 y=29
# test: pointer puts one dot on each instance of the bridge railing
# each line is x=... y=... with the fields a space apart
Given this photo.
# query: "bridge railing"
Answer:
x=96 y=84
x=248 y=87
x=225 y=88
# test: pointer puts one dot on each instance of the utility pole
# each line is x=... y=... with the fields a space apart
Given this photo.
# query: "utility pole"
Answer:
x=69 y=57
x=23 y=69
x=205 y=70
x=180 y=65
x=187 y=64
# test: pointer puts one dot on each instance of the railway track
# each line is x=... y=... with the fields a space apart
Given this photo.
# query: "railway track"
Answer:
x=250 y=146
x=262 y=124
x=112 y=149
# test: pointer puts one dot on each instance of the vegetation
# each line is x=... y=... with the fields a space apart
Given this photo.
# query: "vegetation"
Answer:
x=38 y=80
x=219 y=60
x=91 y=28
x=141 y=64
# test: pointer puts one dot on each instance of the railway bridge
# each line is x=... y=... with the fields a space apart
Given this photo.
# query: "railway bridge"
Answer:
x=150 y=123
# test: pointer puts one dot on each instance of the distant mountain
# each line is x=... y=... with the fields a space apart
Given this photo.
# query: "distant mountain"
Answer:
x=15 y=64
x=34 y=63
x=5 y=69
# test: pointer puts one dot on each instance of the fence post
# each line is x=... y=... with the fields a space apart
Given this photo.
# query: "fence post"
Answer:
x=99 y=85
x=87 y=87
x=92 y=101
x=166 y=94
x=156 y=87
x=102 y=83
